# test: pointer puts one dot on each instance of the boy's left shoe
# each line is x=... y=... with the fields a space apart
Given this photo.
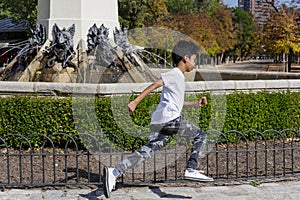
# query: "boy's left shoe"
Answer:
x=195 y=175
x=109 y=181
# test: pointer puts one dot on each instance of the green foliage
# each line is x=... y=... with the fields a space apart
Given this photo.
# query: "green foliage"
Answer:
x=215 y=49
x=183 y=6
x=262 y=111
x=246 y=30
x=140 y=13
x=30 y=115
x=192 y=6
x=47 y=116
x=19 y=9
x=255 y=183
x=208 y=6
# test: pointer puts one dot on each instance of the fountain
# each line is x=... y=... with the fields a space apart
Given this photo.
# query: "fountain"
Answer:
x=78 y=41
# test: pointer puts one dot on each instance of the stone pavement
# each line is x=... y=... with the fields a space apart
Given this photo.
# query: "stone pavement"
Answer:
x=288 y=190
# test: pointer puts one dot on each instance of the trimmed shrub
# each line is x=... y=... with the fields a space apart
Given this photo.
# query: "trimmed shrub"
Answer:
x=27 y=115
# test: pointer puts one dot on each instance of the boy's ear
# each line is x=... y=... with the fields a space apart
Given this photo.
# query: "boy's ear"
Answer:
x=184 y=58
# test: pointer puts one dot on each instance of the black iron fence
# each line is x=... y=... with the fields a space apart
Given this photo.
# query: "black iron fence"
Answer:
x=80 y=160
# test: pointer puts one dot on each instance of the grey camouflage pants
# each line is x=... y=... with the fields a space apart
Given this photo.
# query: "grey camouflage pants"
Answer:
x=160 y=134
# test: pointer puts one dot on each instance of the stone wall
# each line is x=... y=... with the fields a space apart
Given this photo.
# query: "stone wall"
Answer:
x=53 y=89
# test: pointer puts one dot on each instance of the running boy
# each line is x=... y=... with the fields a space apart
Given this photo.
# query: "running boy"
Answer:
x=167 y=119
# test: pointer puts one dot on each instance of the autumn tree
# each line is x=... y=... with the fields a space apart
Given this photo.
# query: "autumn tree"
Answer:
x=282 y=33
x=224 y=31
x=214 y=31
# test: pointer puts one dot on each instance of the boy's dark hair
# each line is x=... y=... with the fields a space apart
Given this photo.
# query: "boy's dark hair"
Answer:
x=183 y=48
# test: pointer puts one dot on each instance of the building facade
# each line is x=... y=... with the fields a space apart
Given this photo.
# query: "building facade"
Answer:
x=260 y=9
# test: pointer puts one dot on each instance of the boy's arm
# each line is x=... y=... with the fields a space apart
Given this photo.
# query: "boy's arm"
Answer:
x=132 y=105
x=201 y=102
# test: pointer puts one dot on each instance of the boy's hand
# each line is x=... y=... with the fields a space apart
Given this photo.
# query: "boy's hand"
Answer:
x=131 y=107
x=202 y=101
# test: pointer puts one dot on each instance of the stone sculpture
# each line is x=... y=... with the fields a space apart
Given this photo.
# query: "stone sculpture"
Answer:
x=25 y=56
x=99 y=46
x=121 y=39
x=61 y=47
x=104 y=61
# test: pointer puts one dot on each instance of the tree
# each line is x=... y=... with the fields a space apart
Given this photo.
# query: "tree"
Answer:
x=19 y=9
x=182 y=6
x=245 y=32
x=209 y=6
x=224 y=31
x=282 y=33
x=140 y=13
x=192 y=6
x=213 y=31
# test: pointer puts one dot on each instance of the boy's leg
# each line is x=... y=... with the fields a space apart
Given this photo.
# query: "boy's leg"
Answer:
x=199 y=142
x=191 y=131
x=188 y=129
x=155 y=142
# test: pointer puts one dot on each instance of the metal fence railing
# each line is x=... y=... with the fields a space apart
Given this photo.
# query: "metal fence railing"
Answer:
x=81 y=158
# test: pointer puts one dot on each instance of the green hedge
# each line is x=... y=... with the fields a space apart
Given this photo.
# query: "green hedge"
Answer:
x=47 y=115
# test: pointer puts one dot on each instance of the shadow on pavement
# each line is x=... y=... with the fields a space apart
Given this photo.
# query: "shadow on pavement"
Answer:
x=93 y=195
x=162 y=194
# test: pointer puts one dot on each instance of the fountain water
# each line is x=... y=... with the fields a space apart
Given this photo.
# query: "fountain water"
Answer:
x=105 y=57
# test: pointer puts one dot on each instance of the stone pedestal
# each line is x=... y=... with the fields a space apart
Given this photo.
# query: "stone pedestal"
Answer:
x=83 y=13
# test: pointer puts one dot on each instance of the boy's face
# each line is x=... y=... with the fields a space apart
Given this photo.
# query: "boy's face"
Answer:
x=190 y=62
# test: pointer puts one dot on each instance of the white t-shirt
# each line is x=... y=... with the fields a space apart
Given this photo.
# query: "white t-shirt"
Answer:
x=172 y=97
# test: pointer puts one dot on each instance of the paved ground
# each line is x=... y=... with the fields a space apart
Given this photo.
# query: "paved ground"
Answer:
x=250 y=66
x=258 y=66
x=266 y=191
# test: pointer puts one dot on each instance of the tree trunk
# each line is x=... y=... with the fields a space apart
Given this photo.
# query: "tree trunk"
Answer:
x=284 y=60
x=289 y=63
x=221 y=58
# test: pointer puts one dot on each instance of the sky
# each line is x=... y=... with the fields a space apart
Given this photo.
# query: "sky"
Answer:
x=231 y=3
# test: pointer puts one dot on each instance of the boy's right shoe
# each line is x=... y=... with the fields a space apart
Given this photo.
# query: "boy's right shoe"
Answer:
x=109 y=181
x=195 y=175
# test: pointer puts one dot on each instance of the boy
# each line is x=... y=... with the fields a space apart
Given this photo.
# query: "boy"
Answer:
x=167 y=119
